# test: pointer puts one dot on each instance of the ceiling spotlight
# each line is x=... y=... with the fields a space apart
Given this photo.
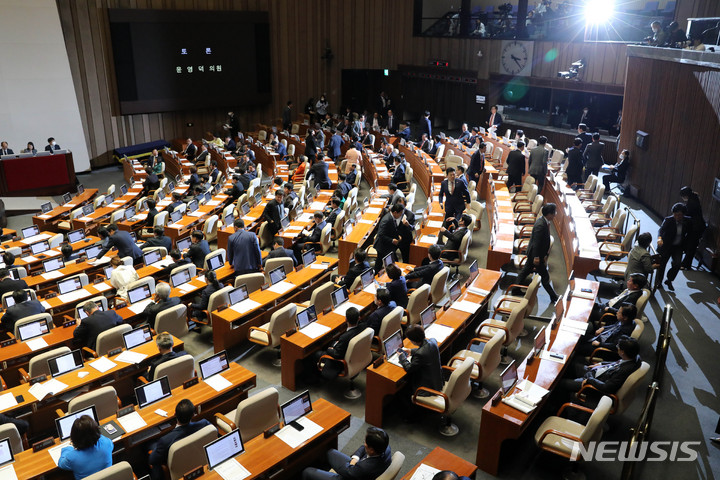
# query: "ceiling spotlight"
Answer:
x=599 y=11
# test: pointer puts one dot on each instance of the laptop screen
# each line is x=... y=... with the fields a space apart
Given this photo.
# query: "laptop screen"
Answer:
x=151 y=257
x=285 y=222
x=137 y=336
x=393 y=343
x=109 y=199
x=339 y=296
x=473 y=269
x=64 y=424
x=138 y=294
x=258 y=198
x=367 y=277
x=88 y=209
x=224 y=448
x=213 y=365
x=39 y=247
x=160 y=195
x=539 y=342
x=183 y=243
x=129 y=213
x=108 y=271
x=183 y=276
x=67 y=197
x=308 y=257
x=175 y=216
x=33 y=329
x=508 y=377
x=65 y=363
x=93 y=251
x=455 y=291
x=46 y=207
x=152 y=392
x=123 y=189
x=237 y=295
x=306 y=317
x=387 y=260
x=81 y=189
x=53 y=264
x=28 y=232
x=192 y=206
x=69 y=285
x=83 y=315
x=277 y=275
x=245 y=208
x=216 y=262
x=427 y=317
x=229 y=218
x=6 y=454
x=296 y=408
x=76 y=235
x=171 y=186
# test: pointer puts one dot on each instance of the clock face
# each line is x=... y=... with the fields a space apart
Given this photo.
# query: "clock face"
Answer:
x=514 y=57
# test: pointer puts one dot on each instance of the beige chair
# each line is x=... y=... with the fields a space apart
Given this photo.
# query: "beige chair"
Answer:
x=273 y=263
x=57 y=239
x=320 y=297
x=391 y=323
x=188 y=454
x=510 y=328
x=190 y=267
x=215 y=253
x=253 y=415
x=613 y=250
x=216 y=299
x=105 y=400
x=67 y=225
x=485 y=362
x=31 y=293
x=97 y=203
x=163 y=251
x=325 y=240
x=210 y=228
x=178 y=370
x=119 y=471
x=17 y=443
x=453 y=394
x=39 y=364
x=109 y=340
x=562 y=436
x=624 y=397
x=507 y=302
x=117 y=216
x=439 y=285
x=264 y=235
x=462 y=253
x=418 y=301
x=173 y=320
x=476 y=212
x=253 y=281
x=33 y=318
x=357 y=357
x=269 y=333
x=398 y=458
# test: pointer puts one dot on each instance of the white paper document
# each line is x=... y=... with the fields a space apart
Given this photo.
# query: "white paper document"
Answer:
x=568 y=324
x=44 y=216
x=46 y=305
x=56 y=451
x=373 y=210
x=103 y=364
x=519 y=402
x=131 y=422
x=101 y=287
x=371 y=289
x=54 y=386
x=586 y=295
x=218 y=382
x=552 y=356
x=187 y=287
x=74 y=295
x=305 y=217
x=531 y=392
x=245 y=306
x=232 y=470
x=366 y=221
x=29 y=259
x=281 y=287
x=435 y=224
x=428 y=239
x=213 y=203
x=314 y=330
x=137 y=308
x=344 y=307
x=465 y=306
x=295 y=438
x=424 y=472
x=128 y=356
x=36 y=343
x=53 y=274
x=438 y=332
x=317 y=206
x=319 y=266
x=478 y=291
x=38 y=391
x=7 y=401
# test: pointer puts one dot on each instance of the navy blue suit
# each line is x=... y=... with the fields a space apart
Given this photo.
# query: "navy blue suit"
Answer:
x=455 y=202
x=197 y=251
x=336 y=142
x=87 y=332
x=319 y=171
x=244 y=252
x=159 y=454
x=399 y=174
x=426 y=127
x=125 y=245
x=20 y=311
x=163 y=241
x=351 y=177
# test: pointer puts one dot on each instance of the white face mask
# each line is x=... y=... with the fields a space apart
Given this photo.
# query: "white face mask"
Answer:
x=622 y=157
x=52 y=143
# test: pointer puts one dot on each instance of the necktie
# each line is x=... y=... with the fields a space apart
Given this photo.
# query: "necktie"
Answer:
x=451 y=187
x=492 y=119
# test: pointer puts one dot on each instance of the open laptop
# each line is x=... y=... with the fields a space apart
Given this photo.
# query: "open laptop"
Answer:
x=46 y=207
x=367 y=277
x=245 y=208
x=109 y=199
x=151 y=257
x=277 y=275
x=223 y=449
x=88 y=209
x=80 y=189
x=284 y=222
x=508 y=378
x=76 y=235
x=427 y=317
x=237 y=295
x=28 y=232
x=108 y=271
x=539 y=341
x=306 y=317
x=139 y=293
x=137 y=336
x=64 y=424
x=392 y=345
x=215 y=262
x=175 y=216
x=6 y=454
x=179 y=278
x=33 y=329
x=65 y=363
x=339 y=297
x=152 y=392
x=66 y=198
x=93 y=251
x=192 y=206
x=39 y=247
x=296 y=408
x=183 y=243
x=82 y=315
x=129 y=213
x=308 y=257
x=455 y=291
x=473 y=272
x=69 y=285
x=218 y=363
x=123 y=189
x=229 y=219
x=53 y=264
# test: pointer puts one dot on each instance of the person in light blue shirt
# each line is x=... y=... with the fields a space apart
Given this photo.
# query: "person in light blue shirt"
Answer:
x=89 y=453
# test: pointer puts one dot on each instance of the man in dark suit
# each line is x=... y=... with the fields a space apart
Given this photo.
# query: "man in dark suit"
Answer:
x=161 y=301
x=607 y=336
x=152 y=211
x=424 y=366
x=287 y=116
x=229 y=144
x=537 y=251
x=335 y=206
x=618 y=172
x=310 y=234
x=584 y=135
x=635 y=283
x=330 y=369
x=334 y=148
x=425 y=125
x=672 y=241
x=344 y=186
x=96 y=322
x=151 y=183
x=158 y=240
x=477 y=164
x=398 y=175
x=454 y=238
x=319 y=171
x=122 y=241
x=214 y=173
x=184 y=412
x=311 y=148
x=453 y=194
x=243 y=250
x=4 y=150
x=279 y=251
x=516 y=162
x=388 y=237
x=538 y=163
x=358 y=267
x=237 y=188
x=391 y=123
x=406 y=229
x=351 y=176
x=52 y=145
x=164 y=342
x=202 y=156
x=290 y=195
x=198 y=248
x=464 y=133
x=385 y=305
x=593 y=156
x=176 y=202
x=584 y=118
x=424 y=273
x=404 y=131
x=274 y=211
x=575 y=163
x=177 y=261
x=367 y=463
x=190 y=149
x=495 y=119
x=22 y=308
x=7 y=284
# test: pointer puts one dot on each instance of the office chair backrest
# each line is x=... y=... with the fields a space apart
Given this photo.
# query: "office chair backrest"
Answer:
x=438 y=285
x=172 y=320
x=418 y=302
x=178 y=370
x=257 y=413
x=393 y=469
x=9 y=430
x=188 y=453
x=111 y=338
x=214 y=253
x=163 y=251
x=458 y=387
x=253 y=281
x=638 y=329
x=273 y=263
x=190 y=267
x=149 y=281
x=321 y=297
x=593 y=429
x=642 y=302
x=391 y=323
x=359 y=355
x=515 y=322
x=629 y=389
x=39 y=363
x=531 y=292
x=280 y=322
x=119 y=471
x=491 y=356
x=104 y=398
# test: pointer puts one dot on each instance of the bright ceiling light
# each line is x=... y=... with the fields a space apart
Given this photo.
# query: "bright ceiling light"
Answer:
x=599 y=11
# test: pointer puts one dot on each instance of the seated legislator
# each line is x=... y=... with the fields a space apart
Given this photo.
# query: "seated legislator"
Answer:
x=367 y=463
x=165 y=343
x=201 y=303
x=311 y=233
x=176 y=202
x=152 y=211
x=398 y=176
x=608 y=336
x=357 y=268
x=122 y=275
x=96 y=322
x=351 y=176
x=161 y=301
x=237 y=188
x=194 y=179
x=330 y=369
x=631 y=294
x=198 y=249
x=639 y=258
x=290 y=195
x=122 y=241
x=159 y=239
x=7 y=284
x=151 y=183
x=244 y=249
x=424 y=365
x=90 y=452
x=52 y=145
x=424 y=274
x=68 y=254
x=618 y=172
x=4 y=150
x=388 y=237
x=336 y=208
x=184 y=413
x=454 y=238
x=385 y=305
x=24 y=307
x=178 y=261
x=279 y=251
x=397 y=285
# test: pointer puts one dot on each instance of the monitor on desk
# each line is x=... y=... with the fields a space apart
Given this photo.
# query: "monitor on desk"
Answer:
x=140 y=293
x=179 y=278
x=66 y=198
x=123 y=189
x=393 y=343
x=284 y=222
x=229 y=219
x=82 y=314
x=183 y=243
x=308 y=257
x=508 y=378
x=33 y=329
x=6 y=454
x=80 y=189
x=39 y=247
x=224 y=448
x=133 y=236
x=455 y=291
x=53 y=264
x=388 y=259
x=109 y=199
x=215 y=262
x=367 y=277
x=88 y=209
x=237 y=295
x=258 y=198
x=339 y=297
x=218 y=363
x=540 y=340
x=9 y=301
x=67 y=362
x=46 y=207
x=160 y=195
x=28 y=232
x=192 y=206
x=245 y=208
x=473 y=270
x=14 y=274
x=64 y=424
x=69 y=285
x=152 y=392
x=137 y=336
x=170 y=186
x=151 y=257
x=175 y=216
x=427 y=317
x=76 y=235
x=296 y=408
x=129 y=213
x=306 y=317
x=277 y=275
x=93 y=251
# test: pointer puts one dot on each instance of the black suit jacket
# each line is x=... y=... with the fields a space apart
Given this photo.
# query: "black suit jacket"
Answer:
x=515 y=163
x=151 y=217
x=387 y=232
x=399 y=174
x=190 y=151
x=310 y=146
x=123 y=242
x=319 y=171
x=477 y=166
x=668 y=232
x=162 y=359
x=49 y=148
x=367 y=468
x=612 y=379
x=586 y=138
x=280 y=253
x=454 y=239
x=496 y=121
x=424 y=366
x=539 y=244
x=426 y=272
x=407 y=231
x=236 y=191
x=339 y=348
x=398 y=291
x=163 y=241
x=593 y=155
x=272 y=215
x=460 y=196
x=375 y=319
x=89 y=329
x=151 y=311
x=9 y=285
x=205 y=297
x=353 y=272
x=197 y=251
x=391 y=124
x=8 y=151
x=575 y=165
x=20 y=311
x=159 y=455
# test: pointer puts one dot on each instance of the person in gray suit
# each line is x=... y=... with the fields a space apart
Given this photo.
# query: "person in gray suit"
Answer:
x=538 y=163
x=593 y=156
x=537 y=252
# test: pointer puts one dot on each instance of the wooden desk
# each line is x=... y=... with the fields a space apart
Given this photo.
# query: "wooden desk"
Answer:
x=194 y=222
x=90 y=223
x=49 y=221
x=383 y=382
x=502 y=224
x=419 y=248
x=360 y=234
x=443 y=460
x=231 y=328
x=503 y=422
